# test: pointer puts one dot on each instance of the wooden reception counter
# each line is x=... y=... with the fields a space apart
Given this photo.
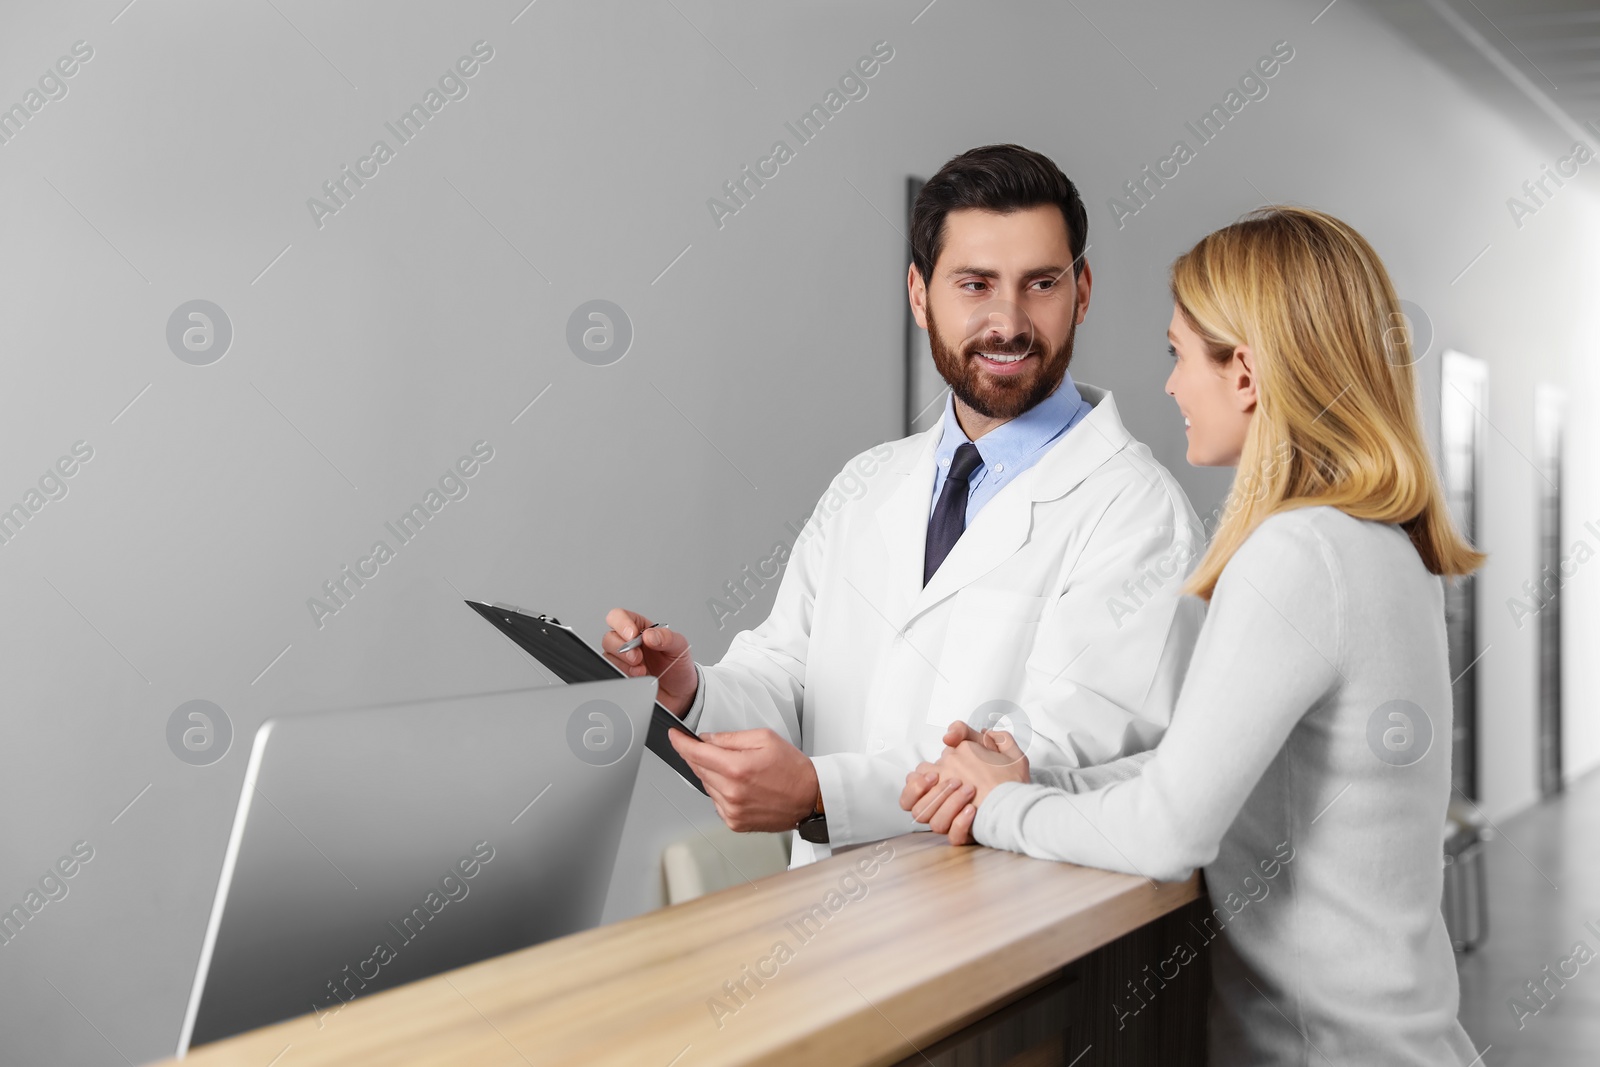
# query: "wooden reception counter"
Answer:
x=909 y=950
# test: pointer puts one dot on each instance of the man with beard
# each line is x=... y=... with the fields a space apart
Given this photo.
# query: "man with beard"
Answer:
x=1016 y=566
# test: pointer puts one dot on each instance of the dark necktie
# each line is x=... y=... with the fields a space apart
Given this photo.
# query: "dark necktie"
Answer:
x=950 y=514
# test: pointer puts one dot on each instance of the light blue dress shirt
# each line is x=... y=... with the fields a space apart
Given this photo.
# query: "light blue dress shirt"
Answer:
x=1008 y=449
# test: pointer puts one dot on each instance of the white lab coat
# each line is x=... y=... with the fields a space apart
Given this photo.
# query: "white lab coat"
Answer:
x=1062 y=597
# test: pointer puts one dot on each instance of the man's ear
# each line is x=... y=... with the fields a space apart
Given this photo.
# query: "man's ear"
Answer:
x=917 y=291
x=1244 y=378
x=1084 y=281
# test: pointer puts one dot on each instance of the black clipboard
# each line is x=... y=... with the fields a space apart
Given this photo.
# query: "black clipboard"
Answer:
x=572 y=659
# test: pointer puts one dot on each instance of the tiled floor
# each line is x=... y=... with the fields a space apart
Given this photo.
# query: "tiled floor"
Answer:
x=1543 y=887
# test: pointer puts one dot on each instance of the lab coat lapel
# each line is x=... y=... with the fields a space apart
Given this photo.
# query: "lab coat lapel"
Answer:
x=999 y=530
x=902 y=522
x=1097 y=438
x=1003 y=526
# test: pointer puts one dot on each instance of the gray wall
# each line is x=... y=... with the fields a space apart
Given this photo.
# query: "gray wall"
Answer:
x=428 y=312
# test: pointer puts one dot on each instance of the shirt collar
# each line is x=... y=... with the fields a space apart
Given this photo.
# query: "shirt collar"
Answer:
x=1009 y=445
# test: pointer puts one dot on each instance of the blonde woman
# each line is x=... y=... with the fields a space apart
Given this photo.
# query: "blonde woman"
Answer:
x=1307 y=767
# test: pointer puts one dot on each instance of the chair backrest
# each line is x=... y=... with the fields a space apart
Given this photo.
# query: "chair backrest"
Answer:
x=715 y=858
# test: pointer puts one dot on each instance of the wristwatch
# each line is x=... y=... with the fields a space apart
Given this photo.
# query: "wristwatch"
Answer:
x=814 y=827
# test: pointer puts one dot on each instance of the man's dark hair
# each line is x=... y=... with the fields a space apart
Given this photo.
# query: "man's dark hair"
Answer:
x=996 y=177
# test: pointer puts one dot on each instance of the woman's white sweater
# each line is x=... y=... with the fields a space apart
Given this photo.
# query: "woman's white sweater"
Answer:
x=1307 y=769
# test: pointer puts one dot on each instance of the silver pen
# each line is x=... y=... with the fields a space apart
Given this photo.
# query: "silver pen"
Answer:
x=629 y=646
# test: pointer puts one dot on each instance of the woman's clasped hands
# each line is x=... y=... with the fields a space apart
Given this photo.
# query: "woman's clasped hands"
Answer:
x=946 y=794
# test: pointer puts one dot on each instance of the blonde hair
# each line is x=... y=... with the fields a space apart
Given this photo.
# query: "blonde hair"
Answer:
x=1336 y=420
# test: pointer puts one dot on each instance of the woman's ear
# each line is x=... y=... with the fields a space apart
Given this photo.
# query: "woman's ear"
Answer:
x=1244 y=379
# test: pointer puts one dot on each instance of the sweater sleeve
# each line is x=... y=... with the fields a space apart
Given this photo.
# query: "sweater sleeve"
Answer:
x=1095 y=776
x=1271 y=648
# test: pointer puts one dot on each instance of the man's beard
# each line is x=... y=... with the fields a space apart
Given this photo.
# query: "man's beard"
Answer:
x=1000 y=396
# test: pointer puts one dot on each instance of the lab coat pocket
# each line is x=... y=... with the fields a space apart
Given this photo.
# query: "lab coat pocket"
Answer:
x=986 y=646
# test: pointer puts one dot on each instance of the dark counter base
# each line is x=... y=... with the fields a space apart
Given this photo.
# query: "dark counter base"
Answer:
x=1114 y=1008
